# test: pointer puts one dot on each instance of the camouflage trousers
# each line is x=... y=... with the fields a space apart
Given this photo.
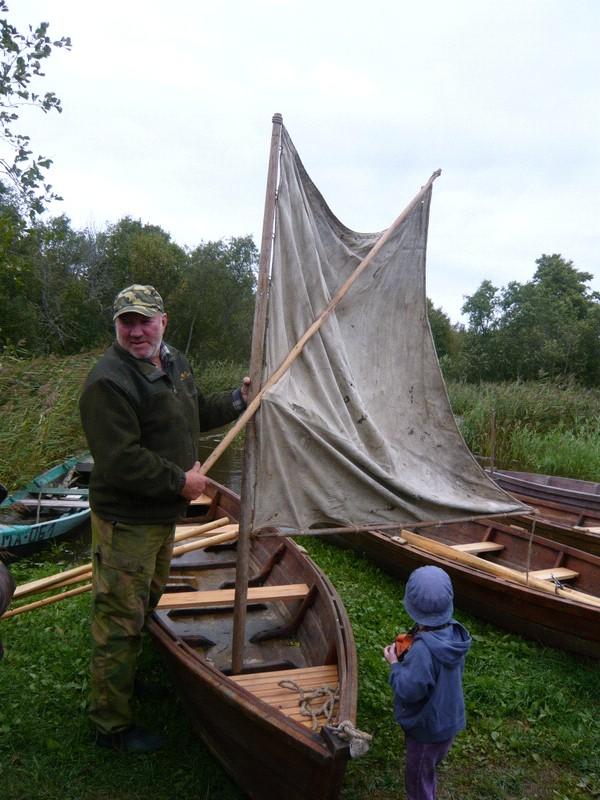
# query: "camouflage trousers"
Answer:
x=130 y=569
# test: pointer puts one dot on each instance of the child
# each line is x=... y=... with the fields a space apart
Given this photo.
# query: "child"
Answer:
x=427 y=679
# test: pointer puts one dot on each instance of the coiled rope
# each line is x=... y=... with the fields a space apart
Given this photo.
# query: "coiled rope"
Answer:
x=328 y=694
x=359 y=741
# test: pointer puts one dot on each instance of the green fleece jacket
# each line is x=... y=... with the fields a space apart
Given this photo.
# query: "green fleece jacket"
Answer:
x=142 y=425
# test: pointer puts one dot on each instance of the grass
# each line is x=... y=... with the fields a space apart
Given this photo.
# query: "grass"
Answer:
x=533 y=731
x=539 y=427
x=534 y=713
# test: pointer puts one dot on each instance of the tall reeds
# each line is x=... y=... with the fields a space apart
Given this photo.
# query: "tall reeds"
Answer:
x=535 y=427
x=39 y=412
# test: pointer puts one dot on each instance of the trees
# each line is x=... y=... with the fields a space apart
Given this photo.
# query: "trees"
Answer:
x=22 y=57
x=57 y=286
x=132 y=252
x=547 y=327
x=213 y=309
x=446 y=336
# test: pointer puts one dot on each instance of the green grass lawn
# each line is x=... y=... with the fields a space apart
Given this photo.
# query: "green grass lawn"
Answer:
x=533 y=731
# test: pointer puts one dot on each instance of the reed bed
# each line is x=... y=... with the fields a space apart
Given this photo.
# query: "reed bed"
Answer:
x=535 y=427
x=39 y=412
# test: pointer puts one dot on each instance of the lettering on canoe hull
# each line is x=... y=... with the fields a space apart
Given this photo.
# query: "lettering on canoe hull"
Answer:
x=36 y=533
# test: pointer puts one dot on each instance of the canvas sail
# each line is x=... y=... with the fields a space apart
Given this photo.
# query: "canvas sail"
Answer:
x=359 y=430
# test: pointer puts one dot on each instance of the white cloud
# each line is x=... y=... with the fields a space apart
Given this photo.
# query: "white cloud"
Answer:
x=168 y=109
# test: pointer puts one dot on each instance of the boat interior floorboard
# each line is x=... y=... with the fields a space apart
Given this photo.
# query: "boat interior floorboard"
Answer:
x=216 y=630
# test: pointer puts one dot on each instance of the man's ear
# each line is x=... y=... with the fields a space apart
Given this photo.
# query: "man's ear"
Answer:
x=165 y=319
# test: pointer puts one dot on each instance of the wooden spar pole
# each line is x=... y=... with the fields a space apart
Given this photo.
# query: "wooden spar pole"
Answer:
x=61 y=578
x=299 y=346
x=209 y=541
x=498 y=570
x=256 y=362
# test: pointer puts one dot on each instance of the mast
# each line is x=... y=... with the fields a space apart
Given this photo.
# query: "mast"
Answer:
x=256 y=363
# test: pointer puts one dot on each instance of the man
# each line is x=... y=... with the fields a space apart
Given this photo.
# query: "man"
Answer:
x=142 y=414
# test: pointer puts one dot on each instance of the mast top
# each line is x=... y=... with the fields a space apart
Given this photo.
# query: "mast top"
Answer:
x=277 y=119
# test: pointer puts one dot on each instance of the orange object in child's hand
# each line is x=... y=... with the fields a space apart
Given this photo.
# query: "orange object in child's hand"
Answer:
x=402 y=644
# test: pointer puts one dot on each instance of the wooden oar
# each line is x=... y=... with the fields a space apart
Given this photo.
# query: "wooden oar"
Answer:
x=47 y=601
x=50 y=582
x=226 y=536
x=65 y=578
x=500 y=571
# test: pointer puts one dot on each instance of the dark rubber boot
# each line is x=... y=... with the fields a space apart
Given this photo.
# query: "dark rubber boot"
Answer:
x=131 y=740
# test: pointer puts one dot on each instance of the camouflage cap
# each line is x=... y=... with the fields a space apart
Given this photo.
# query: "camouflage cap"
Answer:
x=138 y=299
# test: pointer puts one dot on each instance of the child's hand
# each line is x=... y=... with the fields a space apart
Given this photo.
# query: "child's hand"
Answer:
x=389 y=653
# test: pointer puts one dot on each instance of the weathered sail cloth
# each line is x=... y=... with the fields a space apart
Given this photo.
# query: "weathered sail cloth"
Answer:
x=359 y=430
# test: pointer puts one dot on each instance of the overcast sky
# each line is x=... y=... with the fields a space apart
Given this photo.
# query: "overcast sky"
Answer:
x=168 y=107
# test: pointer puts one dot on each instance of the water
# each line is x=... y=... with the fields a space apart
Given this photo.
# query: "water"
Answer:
x=228 y=469
x=75 y=547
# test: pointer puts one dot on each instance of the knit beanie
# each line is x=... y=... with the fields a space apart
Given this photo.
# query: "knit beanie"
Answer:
x=428 y=596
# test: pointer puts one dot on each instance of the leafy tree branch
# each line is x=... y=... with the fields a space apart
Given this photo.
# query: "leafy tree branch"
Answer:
x=22 y=61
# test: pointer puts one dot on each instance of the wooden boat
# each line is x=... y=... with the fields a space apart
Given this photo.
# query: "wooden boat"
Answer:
x=571 y=493
x=297 y=635
x=49 y=506
x=574 y=527
x=324 y=447
x=558 y=505
x=7 y=588
x=527 y=584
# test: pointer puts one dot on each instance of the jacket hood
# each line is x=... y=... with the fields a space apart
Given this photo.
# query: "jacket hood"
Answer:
x=449 y=645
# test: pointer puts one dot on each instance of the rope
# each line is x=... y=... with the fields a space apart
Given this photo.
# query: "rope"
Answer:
x=557 y=584
x=359 y=740
x=529 y=546
x=330 y=694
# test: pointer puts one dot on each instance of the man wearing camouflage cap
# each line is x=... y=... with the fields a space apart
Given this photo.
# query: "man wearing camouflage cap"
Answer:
x=142 y=414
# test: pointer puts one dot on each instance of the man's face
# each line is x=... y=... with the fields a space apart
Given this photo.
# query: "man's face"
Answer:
x=139 y=335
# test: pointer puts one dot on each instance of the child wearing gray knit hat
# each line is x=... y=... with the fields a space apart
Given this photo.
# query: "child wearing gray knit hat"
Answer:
x=427 y=679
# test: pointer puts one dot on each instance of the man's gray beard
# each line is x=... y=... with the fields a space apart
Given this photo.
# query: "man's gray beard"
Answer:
x=150 y=356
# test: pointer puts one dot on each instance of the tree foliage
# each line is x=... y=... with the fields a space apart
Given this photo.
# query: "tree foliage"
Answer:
x=446 y=336
x=21 y=66
x=57 y=286
x=547 y=327
x=213 y=307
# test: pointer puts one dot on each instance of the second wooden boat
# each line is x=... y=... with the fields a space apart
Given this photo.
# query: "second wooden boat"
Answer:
x=49 y=506
x=574 y=527
x=571 y=493
x=298 y=644
x=518 y=581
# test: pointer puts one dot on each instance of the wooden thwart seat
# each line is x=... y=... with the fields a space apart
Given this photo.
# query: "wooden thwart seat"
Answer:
x=32 y=502
x=560 y=573
x=478 y=547
x=225 y=597
x=265 y=685
x=201 y=500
